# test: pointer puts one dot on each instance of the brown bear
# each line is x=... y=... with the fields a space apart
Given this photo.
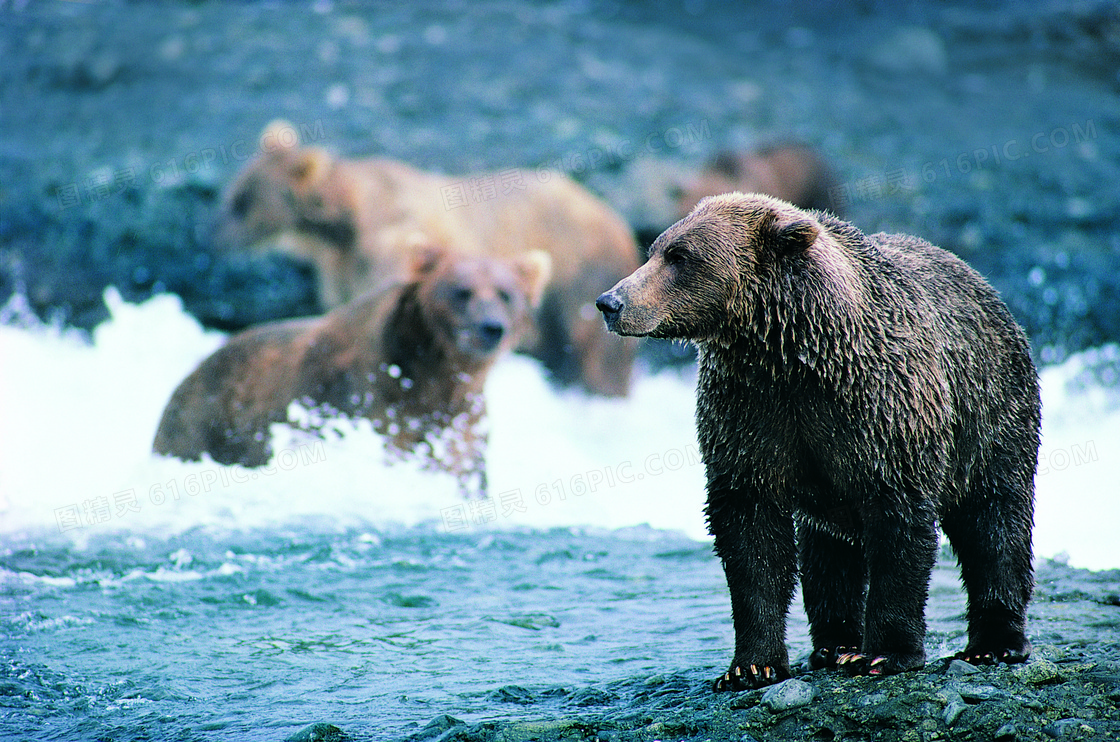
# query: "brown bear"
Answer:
x=853 y=390
x=791 y=172
x=413 y=358
x=357 y=220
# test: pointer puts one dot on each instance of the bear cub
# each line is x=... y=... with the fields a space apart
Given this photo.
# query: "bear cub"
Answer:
x=412 y=358
x=853 y=392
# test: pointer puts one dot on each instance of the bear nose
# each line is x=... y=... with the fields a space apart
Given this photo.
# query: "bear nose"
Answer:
x=491 y=333
x=610 y=305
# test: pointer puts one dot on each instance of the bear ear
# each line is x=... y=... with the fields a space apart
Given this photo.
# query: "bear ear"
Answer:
x=277 y=136
x=424 y=259
x=796 y=236
x=534 y=269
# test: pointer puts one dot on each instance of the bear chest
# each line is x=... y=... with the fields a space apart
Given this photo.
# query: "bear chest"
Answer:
x=785 y=436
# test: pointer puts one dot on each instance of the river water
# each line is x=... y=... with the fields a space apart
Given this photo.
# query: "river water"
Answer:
x=144 y=598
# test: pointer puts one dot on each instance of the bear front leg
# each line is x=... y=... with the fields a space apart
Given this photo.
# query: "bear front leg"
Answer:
x=833 y=584
x=755 y=541
x=899 y=549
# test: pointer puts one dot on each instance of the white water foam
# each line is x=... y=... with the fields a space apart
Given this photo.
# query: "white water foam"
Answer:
x=77 y=420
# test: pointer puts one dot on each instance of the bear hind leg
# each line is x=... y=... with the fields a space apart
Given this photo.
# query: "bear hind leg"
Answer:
x=833 y=585
x=990 y=531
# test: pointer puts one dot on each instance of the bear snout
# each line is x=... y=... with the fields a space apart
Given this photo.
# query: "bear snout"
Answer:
x=611 y=307
x=483 y=337
x=490 y=334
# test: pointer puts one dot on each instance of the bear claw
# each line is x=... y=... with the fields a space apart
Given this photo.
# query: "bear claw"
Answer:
x=861 y=664
x=754 y=676
x=977 y=657
x=825 y=658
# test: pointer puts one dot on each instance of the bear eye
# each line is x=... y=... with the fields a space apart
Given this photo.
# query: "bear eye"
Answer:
x=241 y=204
x=675 y=257
x=461 y=295
x=505 y=296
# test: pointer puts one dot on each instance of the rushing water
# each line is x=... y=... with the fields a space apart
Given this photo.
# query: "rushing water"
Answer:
x=145 y=598
x=222 y=632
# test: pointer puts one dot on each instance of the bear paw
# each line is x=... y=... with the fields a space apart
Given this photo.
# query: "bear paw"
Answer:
x=856 y=663
x=824 y=658
x=753 y=676
x=994 y=647
x=992 y=657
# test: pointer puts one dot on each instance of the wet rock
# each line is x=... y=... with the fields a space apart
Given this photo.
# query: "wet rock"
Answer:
x=592 y=697
x=1068 y=729
x=746 y=700
x=953 y=711
x=1038 y=672
x=960 y=667
x=440 y=728
x=979 y=693
x=512 y=694
x=873 y=699
x=319 y=732
x=789 y=694
x=1006 y=732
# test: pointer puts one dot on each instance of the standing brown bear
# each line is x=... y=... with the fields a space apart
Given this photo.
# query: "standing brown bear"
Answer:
x=413 y=358
x=856 y=390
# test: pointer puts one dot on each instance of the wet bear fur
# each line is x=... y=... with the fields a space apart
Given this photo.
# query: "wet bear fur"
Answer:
x=854 y=391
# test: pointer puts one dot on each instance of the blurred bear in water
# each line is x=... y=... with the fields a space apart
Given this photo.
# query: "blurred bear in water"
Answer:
x=413 y=358
x=358 y=220
x=792 y=172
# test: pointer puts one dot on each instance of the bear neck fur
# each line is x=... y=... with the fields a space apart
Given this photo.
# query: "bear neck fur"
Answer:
x=806 y=310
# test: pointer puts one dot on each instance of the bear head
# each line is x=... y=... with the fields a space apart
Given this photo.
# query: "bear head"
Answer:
x=706 y=273
x=285 y=196
x=478 y=307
